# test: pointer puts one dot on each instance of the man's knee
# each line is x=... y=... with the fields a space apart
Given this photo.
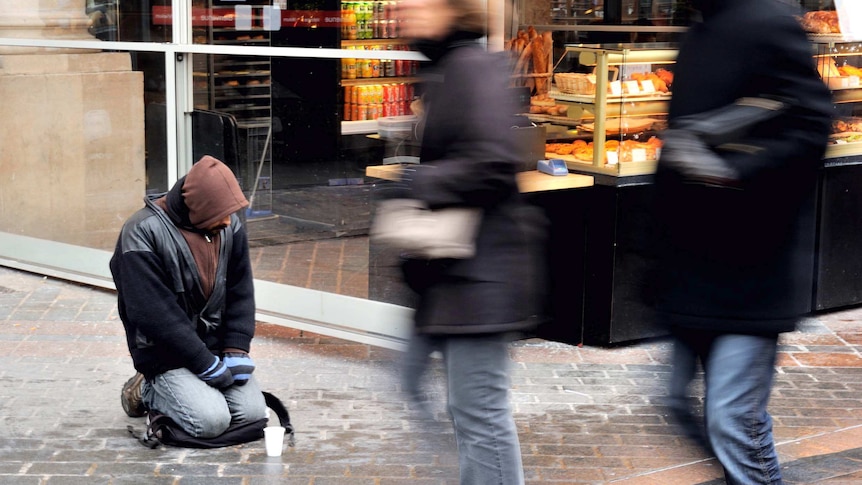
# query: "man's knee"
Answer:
x=209 y=423
x=253 y=410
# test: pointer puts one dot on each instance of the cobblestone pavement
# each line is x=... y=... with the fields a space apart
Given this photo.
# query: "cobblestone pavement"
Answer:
x=585 y=415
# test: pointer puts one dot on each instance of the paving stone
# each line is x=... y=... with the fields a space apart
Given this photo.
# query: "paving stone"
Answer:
x=584 y=415
x=59 y=468
x=19 y=480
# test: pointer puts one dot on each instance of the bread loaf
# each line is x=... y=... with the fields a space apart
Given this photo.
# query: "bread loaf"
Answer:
x=540 y=64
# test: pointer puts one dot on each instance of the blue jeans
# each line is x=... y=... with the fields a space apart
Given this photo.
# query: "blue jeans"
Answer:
x=414 y=367
x=477 y=371
x=739 y=372
x=685 y=362
x=201 y=410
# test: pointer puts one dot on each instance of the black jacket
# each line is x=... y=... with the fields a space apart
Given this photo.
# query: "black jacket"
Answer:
x=741 y=260
x=467 y=159
x=169 y=324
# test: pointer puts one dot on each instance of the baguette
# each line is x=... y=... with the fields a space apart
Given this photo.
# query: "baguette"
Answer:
x=540 y=64
x=518 y=46
x=523 y=64
x=547 y=36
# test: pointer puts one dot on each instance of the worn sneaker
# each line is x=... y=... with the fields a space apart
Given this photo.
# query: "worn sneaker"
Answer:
x=130 y=398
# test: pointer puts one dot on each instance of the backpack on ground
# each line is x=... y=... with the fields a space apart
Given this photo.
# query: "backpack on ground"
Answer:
x=162 y=430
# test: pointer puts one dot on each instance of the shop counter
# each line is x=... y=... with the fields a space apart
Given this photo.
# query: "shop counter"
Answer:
x=564 y=200
x=529 y=181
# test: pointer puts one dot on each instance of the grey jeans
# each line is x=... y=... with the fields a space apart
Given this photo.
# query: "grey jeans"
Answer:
x=477 y=371
x=201 y=410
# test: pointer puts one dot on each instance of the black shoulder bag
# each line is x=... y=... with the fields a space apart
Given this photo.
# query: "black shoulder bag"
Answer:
x=162 y=430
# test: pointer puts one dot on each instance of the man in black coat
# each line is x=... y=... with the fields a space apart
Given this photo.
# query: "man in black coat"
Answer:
x=735 y=214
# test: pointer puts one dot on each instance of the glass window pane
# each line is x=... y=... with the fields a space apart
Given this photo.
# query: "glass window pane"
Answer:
x=129 y=20
x=256 y=22
x=281 y=134
x=299 y=132
x=137 y=20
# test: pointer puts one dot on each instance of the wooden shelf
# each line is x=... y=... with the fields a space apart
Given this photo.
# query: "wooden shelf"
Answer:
x=372 y=42
x=529 y=181
x=378 y=80
x=843 y=150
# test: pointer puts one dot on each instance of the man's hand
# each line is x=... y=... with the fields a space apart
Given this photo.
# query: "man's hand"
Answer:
x=217 y=375
x=684 y=152
x=240 y=365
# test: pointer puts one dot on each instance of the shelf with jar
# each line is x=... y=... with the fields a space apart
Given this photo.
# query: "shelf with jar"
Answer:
x=373 y=88
x=615 y=98
x=373 y=101
x=366 y=20
x=346 y=44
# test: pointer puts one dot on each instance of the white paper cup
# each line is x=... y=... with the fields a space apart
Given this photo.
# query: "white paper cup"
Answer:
x=273 y=436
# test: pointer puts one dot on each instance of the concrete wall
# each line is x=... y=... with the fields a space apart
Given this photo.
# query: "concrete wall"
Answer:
x=71 y=146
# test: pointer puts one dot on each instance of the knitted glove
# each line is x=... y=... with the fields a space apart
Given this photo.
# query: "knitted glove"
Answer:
x=241 y=366
x=686 y=153
x=217 y=375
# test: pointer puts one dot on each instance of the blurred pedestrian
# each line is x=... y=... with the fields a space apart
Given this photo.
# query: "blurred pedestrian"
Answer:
x=736 y=215
x=470 y=309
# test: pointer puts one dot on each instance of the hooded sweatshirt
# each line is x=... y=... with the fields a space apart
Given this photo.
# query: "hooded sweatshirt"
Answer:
x=198 y=201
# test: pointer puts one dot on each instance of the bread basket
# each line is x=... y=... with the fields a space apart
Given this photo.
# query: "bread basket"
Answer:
x=575 y=83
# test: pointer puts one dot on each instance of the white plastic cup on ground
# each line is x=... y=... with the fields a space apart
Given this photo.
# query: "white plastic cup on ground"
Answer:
x=273 y=437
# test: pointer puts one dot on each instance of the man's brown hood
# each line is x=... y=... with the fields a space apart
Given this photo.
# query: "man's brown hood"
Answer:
x=211 y=193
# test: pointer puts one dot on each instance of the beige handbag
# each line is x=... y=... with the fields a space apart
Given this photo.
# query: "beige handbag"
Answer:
x=408 y=224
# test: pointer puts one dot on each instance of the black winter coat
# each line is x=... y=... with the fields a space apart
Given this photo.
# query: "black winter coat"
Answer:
x=467 y=159
x=169 y=323
x=738 y=260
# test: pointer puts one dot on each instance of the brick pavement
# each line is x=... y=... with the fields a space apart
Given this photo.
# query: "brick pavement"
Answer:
x=585 y=415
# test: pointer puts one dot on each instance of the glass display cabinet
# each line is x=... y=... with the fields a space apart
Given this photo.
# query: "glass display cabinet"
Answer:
x=839 y=61
x=615 y=101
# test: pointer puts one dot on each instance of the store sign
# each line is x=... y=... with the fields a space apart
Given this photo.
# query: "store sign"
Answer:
x=850 y=18
x=246 y=17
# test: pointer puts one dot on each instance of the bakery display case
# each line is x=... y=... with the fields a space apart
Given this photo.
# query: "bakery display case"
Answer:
x=611 y=97
x=839 y=61
x=838 y=272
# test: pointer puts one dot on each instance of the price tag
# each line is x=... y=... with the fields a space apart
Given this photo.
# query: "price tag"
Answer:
x=639 y=154
x=631 y=87
x=613 y=157
x=647 y=87
x=616 y=88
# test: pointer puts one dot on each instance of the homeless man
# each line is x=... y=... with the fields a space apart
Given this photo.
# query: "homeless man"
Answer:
x=186 y=299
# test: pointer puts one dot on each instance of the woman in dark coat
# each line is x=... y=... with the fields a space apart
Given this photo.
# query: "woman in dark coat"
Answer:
x=470 y=308
x=737 y=220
